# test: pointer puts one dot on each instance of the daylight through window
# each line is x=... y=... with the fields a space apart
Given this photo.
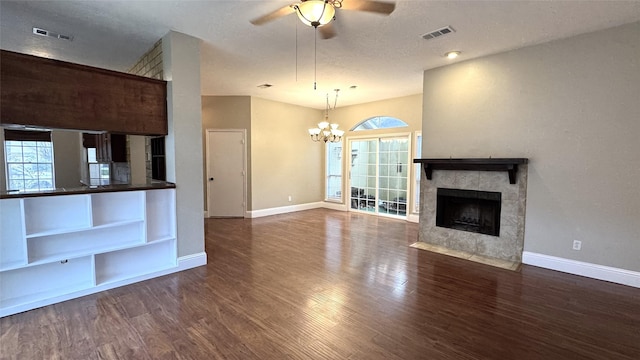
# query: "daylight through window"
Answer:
x=29 y=160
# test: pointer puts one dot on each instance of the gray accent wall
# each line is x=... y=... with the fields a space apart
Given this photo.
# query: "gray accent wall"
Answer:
x=572 y=107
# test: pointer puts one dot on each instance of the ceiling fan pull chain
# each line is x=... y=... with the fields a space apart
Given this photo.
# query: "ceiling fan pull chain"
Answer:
x=315 y=58
x=296 y=52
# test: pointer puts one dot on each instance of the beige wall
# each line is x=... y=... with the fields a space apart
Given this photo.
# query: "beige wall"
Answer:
x=572 y=108
x=406 y=108
x=284 y=161
x=67 y=157
x=226 y=112
x=138 y=159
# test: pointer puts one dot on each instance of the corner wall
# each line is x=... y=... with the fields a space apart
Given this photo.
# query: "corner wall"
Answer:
x=284 y=161
x=570 y=106
x=181 y=64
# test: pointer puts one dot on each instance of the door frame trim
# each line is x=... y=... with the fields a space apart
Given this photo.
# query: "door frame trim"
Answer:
x=244 y=166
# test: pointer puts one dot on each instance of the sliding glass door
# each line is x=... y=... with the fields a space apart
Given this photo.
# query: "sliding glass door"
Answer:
x=379 y=175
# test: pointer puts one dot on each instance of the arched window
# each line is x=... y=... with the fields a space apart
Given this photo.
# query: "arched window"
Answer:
x=379 y=122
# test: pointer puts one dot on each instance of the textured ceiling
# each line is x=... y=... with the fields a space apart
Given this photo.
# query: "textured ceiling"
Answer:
x=384 y=56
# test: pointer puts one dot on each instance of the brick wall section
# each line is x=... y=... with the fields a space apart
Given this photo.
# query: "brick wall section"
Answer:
x=149 y=65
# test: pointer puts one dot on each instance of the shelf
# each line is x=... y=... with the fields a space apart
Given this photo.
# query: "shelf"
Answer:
x=160 y=215
x=55 y=248
x=117 y=207
x=74 y=244
x=128 y=263
x=509 y=165
x=57 y=213
x=70 y=231
x=6 y=266
x=35 y=283
x=12 y=248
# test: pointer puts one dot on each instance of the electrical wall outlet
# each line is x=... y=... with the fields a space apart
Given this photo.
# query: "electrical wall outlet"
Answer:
x=289 y=198
x=577 y=244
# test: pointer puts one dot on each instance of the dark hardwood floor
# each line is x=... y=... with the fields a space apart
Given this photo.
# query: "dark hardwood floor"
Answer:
x=321 y=284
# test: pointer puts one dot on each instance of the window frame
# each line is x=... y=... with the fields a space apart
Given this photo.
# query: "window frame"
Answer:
x=28 y=139
x=327 y=175
x=417 y=176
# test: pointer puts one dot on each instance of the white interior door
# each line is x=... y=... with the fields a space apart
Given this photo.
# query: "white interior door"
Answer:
x=226 y=174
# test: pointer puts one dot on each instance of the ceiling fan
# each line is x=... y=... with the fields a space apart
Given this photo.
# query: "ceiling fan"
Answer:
x=320 y=13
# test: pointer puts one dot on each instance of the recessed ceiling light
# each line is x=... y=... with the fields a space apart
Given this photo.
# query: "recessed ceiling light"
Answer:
x=452 y=54
x=265 y=86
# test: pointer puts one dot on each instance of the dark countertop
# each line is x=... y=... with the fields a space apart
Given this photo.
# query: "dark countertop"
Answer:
x=150 y=185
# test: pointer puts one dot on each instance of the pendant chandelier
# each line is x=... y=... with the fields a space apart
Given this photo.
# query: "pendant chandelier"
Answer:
x=326 y=131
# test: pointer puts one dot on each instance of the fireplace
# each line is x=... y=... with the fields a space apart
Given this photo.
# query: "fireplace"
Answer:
x=469 y=210
x=499 y=188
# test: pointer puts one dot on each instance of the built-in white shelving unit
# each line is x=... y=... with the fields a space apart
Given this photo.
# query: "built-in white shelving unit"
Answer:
x=54 y=248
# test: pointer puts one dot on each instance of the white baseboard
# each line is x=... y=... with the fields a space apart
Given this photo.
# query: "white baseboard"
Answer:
x=595 y=271
x=334 y=206
x=283 y=210
x=191 y=261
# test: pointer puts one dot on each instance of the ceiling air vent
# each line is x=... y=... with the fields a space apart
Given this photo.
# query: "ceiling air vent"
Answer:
x=437 y=33
x=43 y=32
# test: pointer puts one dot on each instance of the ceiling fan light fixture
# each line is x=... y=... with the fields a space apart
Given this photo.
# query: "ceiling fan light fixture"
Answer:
x=315 y=13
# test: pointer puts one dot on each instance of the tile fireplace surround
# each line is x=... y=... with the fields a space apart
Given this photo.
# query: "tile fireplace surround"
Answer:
x=508 y=246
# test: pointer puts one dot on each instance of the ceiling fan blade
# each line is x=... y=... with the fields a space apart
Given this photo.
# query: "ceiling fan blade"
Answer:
x=273 y=15
x=327 y=31
x=379 y=7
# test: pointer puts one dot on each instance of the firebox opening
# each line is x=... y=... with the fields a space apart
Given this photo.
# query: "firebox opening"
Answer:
x=469 y=210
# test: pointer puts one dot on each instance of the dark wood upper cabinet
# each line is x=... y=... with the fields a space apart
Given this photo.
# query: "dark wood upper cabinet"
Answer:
x=49 y=93
x=109 y=147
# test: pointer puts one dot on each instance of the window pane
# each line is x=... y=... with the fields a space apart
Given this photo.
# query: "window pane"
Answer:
x=379 y=122
x=29 y=154
x=16 y=171
x=333 y=171
x=91 y=155
x=16 y=184
x=29 y=165
x=418 y=173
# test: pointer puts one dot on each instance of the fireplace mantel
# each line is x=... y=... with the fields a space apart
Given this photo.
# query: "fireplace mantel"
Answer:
x=509 y=165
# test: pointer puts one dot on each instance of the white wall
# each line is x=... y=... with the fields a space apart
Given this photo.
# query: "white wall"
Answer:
x=573 y=108
x=181 y=66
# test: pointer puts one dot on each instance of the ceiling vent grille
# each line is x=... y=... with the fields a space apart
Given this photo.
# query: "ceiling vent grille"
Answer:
x=437 y=33
x=43 y=32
